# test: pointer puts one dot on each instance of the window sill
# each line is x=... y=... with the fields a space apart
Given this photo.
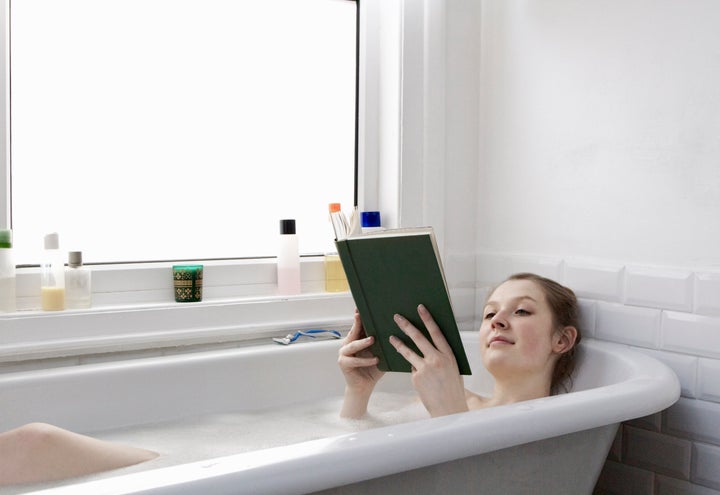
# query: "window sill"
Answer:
x=133 y=310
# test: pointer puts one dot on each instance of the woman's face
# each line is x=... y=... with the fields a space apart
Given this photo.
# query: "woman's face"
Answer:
x=517 y=334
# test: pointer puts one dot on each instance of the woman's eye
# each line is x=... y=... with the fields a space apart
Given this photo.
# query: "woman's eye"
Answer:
x=522 y=312
x=489 y=316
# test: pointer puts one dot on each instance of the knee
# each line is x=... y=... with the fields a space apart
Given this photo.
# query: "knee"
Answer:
x=35 y=436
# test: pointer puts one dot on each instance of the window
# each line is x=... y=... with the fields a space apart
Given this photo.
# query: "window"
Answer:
x=172 y=129
x=133 y=308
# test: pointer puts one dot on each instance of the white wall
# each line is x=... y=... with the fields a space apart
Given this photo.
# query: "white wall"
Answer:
x=601 y=129
x=599 y=165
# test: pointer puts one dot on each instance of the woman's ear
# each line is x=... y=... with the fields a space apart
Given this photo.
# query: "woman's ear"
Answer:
x=564 y=340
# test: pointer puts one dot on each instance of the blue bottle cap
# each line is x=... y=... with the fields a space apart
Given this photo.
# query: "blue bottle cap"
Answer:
x=370 y=219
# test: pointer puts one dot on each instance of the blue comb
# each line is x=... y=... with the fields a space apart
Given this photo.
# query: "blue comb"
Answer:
x=313 y=334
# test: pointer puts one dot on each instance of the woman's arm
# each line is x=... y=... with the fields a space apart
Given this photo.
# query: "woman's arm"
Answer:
x=359 y=367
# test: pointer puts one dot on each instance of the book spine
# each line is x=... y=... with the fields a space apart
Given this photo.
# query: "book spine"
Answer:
x=345 y=254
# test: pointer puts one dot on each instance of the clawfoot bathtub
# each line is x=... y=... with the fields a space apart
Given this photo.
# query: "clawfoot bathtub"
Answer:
x=263 y=420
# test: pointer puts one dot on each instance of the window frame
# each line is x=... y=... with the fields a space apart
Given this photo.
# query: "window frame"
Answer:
x=397 y=157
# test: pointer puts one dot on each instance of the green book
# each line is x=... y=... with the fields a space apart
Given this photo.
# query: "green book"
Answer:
x=393 y=271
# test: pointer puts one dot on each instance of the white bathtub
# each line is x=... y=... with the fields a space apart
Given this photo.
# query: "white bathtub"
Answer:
x=551 y=445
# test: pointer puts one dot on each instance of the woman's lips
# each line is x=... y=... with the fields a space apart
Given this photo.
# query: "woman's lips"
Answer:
x=500 y=341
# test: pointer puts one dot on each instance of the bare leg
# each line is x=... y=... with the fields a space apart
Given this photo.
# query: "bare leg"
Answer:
x=40 y=452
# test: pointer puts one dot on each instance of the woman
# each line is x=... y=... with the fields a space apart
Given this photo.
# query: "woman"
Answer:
x=527 y=342
x=39 y=452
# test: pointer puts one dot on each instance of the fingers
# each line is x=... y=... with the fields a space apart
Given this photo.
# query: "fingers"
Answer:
x=357 y=331
x=348 y=362
x=354 y=346
x=438 y=339
x=409 y=355
x=354 y=351
x=437 y=347
x=423 y=344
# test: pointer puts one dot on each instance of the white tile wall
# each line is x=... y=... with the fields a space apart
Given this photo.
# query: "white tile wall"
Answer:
x=707 y=293
x=491 y=269
x=706 y=459
x=551 y=268
x=628 y=324
x=672 y=486
x=657 y=452
x=691 y=334
x=652 y=422
x=709 y=379
x=694 y=419
x=658 y=288
x=684 y=366
x=594 y=280
x=672 y=314
x=622 y=479
x=588 y=315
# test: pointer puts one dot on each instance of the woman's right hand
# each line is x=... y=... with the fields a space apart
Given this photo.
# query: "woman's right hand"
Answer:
x=359 y=367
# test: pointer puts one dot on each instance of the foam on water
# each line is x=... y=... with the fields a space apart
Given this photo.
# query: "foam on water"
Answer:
x=216 y=435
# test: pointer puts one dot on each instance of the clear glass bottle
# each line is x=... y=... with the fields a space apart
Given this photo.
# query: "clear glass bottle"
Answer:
x=7 y=273
x=288 y=260
x=78 y=283
x=52 y=275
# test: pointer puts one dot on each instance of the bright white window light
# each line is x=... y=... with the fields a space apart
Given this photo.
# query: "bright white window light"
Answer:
x=177 y=129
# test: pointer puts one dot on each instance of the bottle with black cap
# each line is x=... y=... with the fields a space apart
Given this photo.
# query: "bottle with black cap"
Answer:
x=288 y=260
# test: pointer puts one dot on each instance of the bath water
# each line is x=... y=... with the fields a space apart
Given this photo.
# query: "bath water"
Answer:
x=221 y=434
x=215 y=435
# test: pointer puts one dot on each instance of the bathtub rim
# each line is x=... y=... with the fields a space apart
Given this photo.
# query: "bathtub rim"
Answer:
x=288 y=469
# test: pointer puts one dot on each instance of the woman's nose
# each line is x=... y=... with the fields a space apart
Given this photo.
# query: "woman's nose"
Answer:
x=498 y=321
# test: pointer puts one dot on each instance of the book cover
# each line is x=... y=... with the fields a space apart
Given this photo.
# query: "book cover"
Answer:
x=394 y=271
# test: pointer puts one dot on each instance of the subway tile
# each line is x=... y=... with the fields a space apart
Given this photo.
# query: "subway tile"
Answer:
x=491 y=269
x=481 y=295
x=621 y=479
x=595 y=280
x=709 y=379
x=707 y=293
x=672 y=486
x=659 y=288
x=615 y=452
x=587 y=310
x=460 y=270
x=653 y=422
x=627 y=324
x=693 y=419
x=684 y=366
x=706 y=465
x=463 y=302
x=690 y=334
x=657 y=452
x=545 y=267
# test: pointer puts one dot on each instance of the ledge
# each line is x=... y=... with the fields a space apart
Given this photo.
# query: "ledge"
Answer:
x=31 y=335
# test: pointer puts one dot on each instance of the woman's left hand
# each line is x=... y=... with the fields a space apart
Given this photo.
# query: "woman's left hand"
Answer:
x=435 y=374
